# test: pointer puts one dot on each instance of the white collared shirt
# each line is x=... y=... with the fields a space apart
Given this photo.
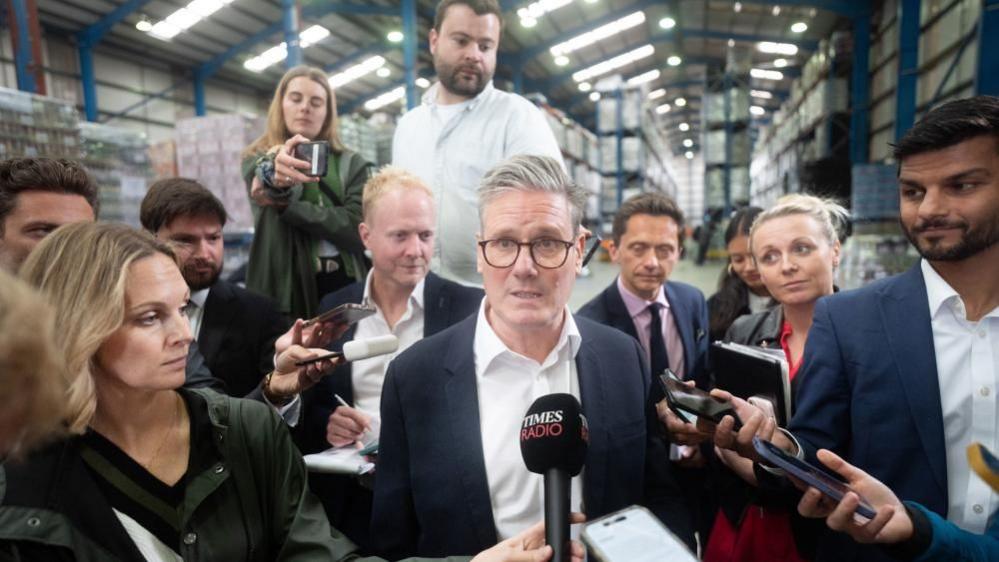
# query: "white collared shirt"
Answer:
x=508 y=383
x=196 y=310
x=368 y=375
x=452 y=153
x=968 y=373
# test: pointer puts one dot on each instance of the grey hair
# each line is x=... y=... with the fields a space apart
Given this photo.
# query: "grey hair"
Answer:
x=831 y=217
x=532 y=173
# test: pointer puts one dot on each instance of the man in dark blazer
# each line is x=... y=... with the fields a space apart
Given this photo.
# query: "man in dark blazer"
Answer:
x=412 y=303
x=235 y=329
x=450 y=475
x=900 y=376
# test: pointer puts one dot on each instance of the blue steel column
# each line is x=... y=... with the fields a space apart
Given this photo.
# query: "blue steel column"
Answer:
x=199 y=93
x=22 y=58
x=88 y=82
x=908 y=66
x=987 y=77
x=290 y=20
x=518 y=75
x=860 y=86
x=409 y=37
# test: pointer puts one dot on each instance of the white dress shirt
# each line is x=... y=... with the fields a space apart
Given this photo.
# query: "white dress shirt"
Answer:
x=508 y=383
x=368 y=375
x=452 y=153
x=968 y=372
x=196 y=310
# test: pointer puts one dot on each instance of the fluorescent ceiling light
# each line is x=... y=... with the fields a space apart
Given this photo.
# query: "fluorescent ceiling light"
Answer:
x=777 y=48
x=643 y=78
x=383 y=72
x=585 y=86
x=757 y=110
x=594 y=96
x=799 y=27
x=395 y=36
x=780 y=63
x=737 y=7
x=680 y=102
x=602 y=32
x=182 y=18
x=776 y=10
x=656 y=94
x=765 y=74
x=561 y=60
x=667 y=23
x=664 y=108
x=385 y=99
x=614 y=63
x=674 y=61
x=688 y=143
x=278 y=53
x=684 y=127
x=423 y=82
x=537 y=9
x=689 y=155
x=528 y=22
x=762 y=94
x=357 y=71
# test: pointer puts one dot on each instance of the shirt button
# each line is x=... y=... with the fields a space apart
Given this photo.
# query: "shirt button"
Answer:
x=984 y=391
x=981 y=334
x=190 y=539
x=34 y=521
x=977 y=509
x=219 y=469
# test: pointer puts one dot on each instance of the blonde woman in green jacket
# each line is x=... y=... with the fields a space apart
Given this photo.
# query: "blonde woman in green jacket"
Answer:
x=150 y=472
x=305 y=241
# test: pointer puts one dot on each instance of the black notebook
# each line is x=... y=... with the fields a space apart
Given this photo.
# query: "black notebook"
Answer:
x=748 y=371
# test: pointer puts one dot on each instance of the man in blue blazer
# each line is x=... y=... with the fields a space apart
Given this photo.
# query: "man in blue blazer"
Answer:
x=412 y=303
x=450 y=474
x=900 y=376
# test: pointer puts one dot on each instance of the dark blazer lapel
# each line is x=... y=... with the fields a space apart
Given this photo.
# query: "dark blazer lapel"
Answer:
x=617 y=313
x=907 y=327
x=593 y=398
x=220 y=307
x=681 y=319
x=461 y=395
x=435 y=306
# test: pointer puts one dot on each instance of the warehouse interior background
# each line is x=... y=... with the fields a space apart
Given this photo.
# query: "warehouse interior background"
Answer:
x=719 y=104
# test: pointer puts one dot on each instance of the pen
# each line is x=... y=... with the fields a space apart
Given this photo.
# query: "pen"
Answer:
x=341 y=400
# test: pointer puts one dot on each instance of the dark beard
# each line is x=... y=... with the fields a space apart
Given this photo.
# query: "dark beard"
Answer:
x=448 y=76
x=976 y=239
x=196 y=280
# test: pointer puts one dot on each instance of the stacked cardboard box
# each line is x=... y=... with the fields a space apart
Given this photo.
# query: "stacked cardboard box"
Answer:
x=119 y=162
x=32 y=125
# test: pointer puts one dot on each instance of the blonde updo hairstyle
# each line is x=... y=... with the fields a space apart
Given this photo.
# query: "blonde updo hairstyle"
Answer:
x=831 y=217
x=81 y=269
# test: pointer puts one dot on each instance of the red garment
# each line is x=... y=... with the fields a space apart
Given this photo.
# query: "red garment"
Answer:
x=764 y=534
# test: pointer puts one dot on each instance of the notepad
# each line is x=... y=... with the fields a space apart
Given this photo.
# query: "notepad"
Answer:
x=747 y=371
x=339 y=460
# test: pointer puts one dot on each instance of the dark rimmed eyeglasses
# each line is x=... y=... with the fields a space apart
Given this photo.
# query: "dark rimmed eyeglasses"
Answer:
x=549 y=253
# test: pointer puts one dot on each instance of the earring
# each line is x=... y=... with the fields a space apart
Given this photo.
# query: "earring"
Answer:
x=730 y=268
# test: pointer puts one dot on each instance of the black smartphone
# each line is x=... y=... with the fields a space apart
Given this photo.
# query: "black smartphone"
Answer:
x=682 y=398
x=810 y=474
x=317 y=155
x=593 y=250
x=319 y=358
x=347 y=313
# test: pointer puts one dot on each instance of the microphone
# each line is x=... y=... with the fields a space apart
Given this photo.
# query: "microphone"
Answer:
x=553 y=440
x=362 y=349
x=356 y=350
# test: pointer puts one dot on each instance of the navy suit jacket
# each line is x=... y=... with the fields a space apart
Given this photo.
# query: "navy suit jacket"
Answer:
x=431 y=490
x=445 y=303
x=690 y=314
x=869 y=392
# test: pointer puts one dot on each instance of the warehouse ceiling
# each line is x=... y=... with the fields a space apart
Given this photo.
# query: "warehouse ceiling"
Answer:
x=700 y=37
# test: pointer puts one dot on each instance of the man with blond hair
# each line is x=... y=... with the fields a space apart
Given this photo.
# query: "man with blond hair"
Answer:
x=398 y=229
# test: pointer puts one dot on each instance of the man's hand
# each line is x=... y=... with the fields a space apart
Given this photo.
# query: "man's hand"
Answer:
x=891 y=524
x=529 y=546
x=347 y=425
x=287 y=168
x=288 y=379
x=318 y=335
x=742 y=467
x=681 y=431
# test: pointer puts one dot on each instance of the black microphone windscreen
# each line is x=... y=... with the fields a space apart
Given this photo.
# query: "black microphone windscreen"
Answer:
x=554 y=435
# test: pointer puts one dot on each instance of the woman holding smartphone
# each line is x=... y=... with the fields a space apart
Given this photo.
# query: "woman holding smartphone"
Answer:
x=796 y=249
x=305 y=241
x=151 y=470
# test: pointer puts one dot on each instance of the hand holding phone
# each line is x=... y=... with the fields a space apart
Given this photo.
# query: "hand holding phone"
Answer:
x=633 y=535
x=316 y=153
x=681 y=398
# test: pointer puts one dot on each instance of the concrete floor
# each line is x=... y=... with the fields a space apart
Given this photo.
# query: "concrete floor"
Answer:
x=603 y=273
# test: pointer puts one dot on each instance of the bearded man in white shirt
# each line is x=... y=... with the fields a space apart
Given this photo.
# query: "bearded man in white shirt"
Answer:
x=464 y=126
x=899 y=377
x=450 y=473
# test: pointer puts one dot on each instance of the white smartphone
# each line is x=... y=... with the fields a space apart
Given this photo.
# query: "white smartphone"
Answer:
x=633 y=535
